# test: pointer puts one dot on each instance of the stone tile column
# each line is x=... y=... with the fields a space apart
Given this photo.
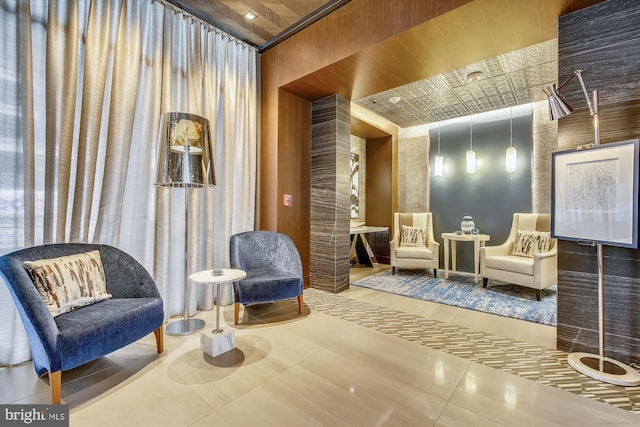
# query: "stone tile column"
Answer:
x=330 y=182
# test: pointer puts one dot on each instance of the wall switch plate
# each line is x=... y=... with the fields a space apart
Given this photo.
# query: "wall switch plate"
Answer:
x=287 y=199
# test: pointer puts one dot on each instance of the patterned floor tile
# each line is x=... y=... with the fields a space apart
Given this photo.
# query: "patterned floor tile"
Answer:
x=529 y=361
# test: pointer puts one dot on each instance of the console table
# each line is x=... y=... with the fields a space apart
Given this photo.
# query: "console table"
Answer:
x=360 y=233
x=451 y=239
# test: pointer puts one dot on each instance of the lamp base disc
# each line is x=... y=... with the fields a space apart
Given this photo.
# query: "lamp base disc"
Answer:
x=613 y=372
x=184 y=326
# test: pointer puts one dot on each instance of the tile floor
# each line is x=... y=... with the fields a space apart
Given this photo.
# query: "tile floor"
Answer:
x=360 y=358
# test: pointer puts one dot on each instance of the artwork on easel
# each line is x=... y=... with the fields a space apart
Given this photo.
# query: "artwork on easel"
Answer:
x=355 y=186
x=595 y=194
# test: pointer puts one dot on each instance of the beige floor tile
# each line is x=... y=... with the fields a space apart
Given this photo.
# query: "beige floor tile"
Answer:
x=455 y=416
x=511 y=400
x=325 y=367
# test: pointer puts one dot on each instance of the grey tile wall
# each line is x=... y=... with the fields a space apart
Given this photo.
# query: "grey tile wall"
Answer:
x=603 y=40
x=330 y=184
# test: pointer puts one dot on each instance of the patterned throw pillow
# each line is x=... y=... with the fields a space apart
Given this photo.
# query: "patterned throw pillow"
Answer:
x=412 y=236
x=529 y=243
x=69 y=282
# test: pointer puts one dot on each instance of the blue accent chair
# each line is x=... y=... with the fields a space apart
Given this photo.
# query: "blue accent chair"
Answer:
x=86 y=333
x=272 y=263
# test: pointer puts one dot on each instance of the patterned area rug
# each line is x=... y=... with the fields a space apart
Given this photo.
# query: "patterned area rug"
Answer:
x=499 y=298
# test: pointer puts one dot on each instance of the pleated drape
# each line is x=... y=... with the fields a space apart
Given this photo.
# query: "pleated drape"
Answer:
x=86 y=83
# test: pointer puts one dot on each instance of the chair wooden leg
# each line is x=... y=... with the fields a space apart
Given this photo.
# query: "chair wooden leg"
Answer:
x=485 y=282
x=236 y=313
x=159 y=339
x=539 y=294
x=300 y=303
x=55 y=381
x=393 y=270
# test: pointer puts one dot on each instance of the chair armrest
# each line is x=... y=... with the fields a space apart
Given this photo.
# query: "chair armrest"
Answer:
x=393 y=245
x=38 y=322
x=500 y=250
x=545 y=268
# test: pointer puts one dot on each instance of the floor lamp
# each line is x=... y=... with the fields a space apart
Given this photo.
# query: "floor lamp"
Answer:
x=595 y=366
x=184 y=160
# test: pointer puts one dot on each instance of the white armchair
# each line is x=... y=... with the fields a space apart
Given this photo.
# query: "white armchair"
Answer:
x=419 y=249
x=535 y=269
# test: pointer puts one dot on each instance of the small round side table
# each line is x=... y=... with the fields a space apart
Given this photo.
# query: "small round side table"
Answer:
x=221 y=339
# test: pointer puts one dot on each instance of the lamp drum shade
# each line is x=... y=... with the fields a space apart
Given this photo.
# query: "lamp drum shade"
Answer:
x=184 y=157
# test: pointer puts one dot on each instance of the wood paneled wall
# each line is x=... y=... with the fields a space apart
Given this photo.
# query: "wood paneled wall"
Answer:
x=582 y=43
x=294 y=156
x=368 y=46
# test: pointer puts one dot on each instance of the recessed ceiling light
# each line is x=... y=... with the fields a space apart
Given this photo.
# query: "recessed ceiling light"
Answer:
x=250 y=16
x=474 y=76
x=394 y=99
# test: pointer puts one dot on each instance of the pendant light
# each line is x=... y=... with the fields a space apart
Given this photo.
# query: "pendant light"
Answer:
x=439 y=164
x=471 y=155
x=511 y=155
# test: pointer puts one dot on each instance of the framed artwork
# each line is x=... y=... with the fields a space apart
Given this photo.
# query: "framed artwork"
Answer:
x=594 y=195
x=355 y=186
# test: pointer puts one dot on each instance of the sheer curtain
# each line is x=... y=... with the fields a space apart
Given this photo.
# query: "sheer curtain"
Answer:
x=82 y=87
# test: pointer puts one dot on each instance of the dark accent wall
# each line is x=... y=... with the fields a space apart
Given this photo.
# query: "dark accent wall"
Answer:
x=603 y=40
x=491 y=195
x=330 y=193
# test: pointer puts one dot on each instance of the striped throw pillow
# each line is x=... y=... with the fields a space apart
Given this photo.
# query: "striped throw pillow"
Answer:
x=69 y=282
x=412 y=236
x=528 y=243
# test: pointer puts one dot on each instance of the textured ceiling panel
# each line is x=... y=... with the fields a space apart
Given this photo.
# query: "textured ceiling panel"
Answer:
x=514 y=78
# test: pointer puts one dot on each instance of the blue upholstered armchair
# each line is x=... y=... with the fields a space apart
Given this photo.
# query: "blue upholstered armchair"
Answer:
x=86 y=333
x=273 y=267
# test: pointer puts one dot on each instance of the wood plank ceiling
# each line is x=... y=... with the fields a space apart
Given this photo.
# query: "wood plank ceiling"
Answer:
x=513 y=46
x=272 y=17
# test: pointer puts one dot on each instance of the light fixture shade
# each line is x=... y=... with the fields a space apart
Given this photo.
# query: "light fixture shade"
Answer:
x=184 y=157
x=471 y=161
x=511 y=158
x=558 y=108
x=439 y=166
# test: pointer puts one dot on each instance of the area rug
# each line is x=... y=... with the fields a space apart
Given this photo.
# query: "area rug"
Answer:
x=459 y=290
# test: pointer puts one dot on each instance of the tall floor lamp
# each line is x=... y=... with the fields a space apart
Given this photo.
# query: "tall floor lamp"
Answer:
x=184 y=160
x=595 y=366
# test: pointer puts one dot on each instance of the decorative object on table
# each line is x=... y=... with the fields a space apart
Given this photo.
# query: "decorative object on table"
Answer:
x=460 y=290
x=184 y=160
x=413 y=244
x=65 y=340
x=467 y=224
x=528 y=256
x=475 y=231
x=273 y=266
x=601 y=188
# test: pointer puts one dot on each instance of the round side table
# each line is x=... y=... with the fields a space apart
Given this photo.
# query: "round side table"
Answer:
x=218 y=276
x=221 y=339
